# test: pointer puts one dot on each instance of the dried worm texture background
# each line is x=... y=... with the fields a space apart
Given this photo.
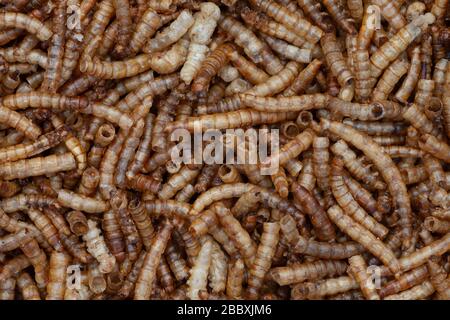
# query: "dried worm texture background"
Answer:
x=94 y=206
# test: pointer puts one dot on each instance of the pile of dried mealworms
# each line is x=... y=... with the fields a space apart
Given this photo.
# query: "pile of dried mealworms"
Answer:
x=353 y=95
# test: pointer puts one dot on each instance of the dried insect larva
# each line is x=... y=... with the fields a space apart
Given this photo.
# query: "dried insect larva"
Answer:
x=142 y=183
x=312 y=10
x=200 y=35
x=435 y=225
x=176 y=262
x=81 y=202
x=247 y=68
x=171 y=34
x=34 y=57
x=420 y=256
x=165 y=276
x=404 y=282
x=425 y=89
x=115 y=69
x=434 y=146
x=199 y=273
x=108 y=165
x=89 y=181
x=359 y=270
x=356 y=9
x=340 y=15
x=278 y=82
x=145 y=29
x=96 y=280
x=321 y=288
x=387 y=168
x=230 y=120
x=228 y=73
x=104 y=135
x=147 y=274
x=52 y=75
x=264 y=24
x=443 y=214
x=133 y=244
x=293 y=167
x=284 y=104
x=218 y=269
x=390 y=78
x=129 y=282
x=99 y=21
x=7 y=289
x=235 y=279
x=27 y=287
x=22 y=151
x=391 y=12
x=167 y=208
x=170 y=60
x=22 y=68
x=204 y=221
x=185 y=194
x=417 y=292
x=190 y=243
x=113 y=235
x=292 y=20
x=280 y=182
x=54 y=101
x=413 y=175
x=438 y=278
x=29 y=23
x=205 y=177
x=439 y=77
x=255 y=48
x=128 y=149
x=57 y=275
x=124 y=121
x=320 y=160
x=335 y=60
x=375 y=128
x=45 y=225
x=304 y=78
x=147 y=88
x=97 y=248
x=362 y=196
x=177 y=182
x=38 y=166
x=355 y=166
x=142 y=221
x=77 y=222
x=308 y=203
x=73 y=145
x=291 y=149
x=350 y=206
x=240 y=237
x=38 y=259
x=306 y=177
x=19 y=122
x=14 y=266
x=14 y=240
x=142 y=153
x=307 y=271
x=263 y=258
x=365 y=112
x=211 y=66
x=390 y=51
x=287 y=50
x=367 y=239
x=402 y=152
x=253 y=174
x=123 y=17
x=8 y=189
